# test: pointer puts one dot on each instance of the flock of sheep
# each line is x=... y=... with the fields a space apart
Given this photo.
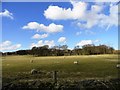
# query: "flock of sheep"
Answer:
x=34 y=71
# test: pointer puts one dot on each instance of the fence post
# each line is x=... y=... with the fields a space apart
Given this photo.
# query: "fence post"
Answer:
x=55 y=77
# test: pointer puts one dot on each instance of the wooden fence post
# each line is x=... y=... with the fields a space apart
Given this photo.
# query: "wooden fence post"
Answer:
x=55 y=77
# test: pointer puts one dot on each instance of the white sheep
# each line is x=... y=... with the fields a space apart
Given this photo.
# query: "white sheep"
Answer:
x=34 y=71
x=118 y=65
x=75 y=62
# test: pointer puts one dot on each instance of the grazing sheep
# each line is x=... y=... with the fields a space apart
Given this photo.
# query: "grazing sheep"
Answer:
x=34 y=71
x=118 y=65
x=75 y=62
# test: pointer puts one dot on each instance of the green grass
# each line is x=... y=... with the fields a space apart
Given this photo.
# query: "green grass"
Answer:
x=95 y=66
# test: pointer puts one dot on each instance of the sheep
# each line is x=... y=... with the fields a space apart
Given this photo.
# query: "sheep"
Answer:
x=118 y=65
x=75 y=62
x=34 y=71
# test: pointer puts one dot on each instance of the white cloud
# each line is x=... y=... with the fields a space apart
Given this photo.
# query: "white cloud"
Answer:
x=58 y=13
x=96 y=17
x=62 y=40
x=97 y=41
x=106 y=0
x=7 y=45
x=38 y=36
x=86 y=18
x=6 y=13
x=78 y=33
x=89 y=32
x=112 y=19
x=51 y=28
x=42 y=43
x=85 y=42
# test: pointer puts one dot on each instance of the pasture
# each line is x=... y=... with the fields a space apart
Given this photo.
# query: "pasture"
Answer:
x=94 y=66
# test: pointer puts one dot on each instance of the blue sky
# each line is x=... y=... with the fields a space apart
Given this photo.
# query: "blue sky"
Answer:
x=25 y=25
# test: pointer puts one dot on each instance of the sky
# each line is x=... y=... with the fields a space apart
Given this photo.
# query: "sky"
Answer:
x=29 y=24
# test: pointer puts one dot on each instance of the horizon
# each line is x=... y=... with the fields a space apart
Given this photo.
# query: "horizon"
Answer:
x=52 y=48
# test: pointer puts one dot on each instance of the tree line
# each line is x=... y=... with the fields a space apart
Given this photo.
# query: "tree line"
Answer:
x=63 y=50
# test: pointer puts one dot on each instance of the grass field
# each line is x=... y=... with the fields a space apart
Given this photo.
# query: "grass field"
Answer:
x=94 y=66
x=16 y=71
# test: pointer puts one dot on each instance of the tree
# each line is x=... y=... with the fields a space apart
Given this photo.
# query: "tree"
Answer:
x=34 y=51
x=63 y=47
x=61 y=50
